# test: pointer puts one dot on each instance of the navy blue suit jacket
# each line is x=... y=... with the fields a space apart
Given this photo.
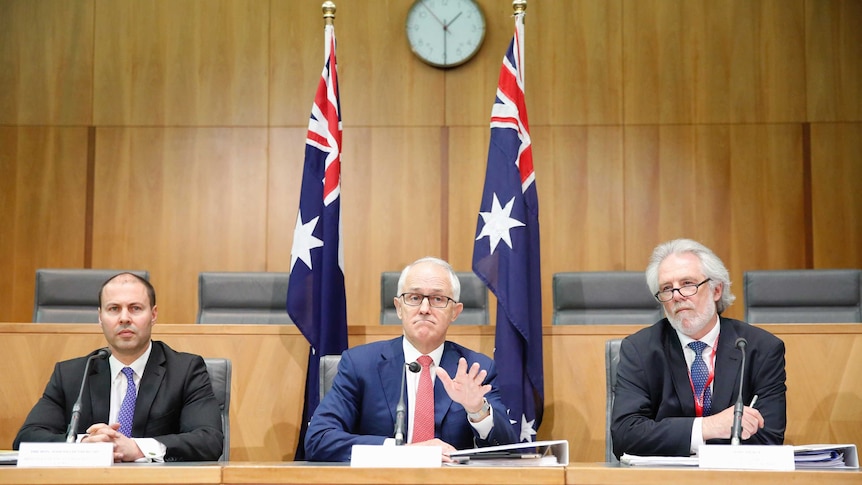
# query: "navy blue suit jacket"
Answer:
x=175 y=404
x=654 y=408
x=360 y=407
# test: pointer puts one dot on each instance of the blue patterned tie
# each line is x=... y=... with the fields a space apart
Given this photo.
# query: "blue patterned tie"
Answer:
x=699 y=376
x=127 y=409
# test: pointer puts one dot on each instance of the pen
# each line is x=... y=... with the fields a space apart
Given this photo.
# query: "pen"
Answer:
x=753 y=400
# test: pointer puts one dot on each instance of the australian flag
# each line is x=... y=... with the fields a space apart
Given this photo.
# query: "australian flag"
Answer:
x=506 y=250
x=315 y=294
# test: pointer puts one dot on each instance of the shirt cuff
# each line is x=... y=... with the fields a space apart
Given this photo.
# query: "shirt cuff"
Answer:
x=696 y=435
x=483 y=427
x=154 y=451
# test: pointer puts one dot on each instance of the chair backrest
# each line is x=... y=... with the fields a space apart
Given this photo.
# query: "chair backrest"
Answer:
x=803 y=296
x=243 y=297
x=612 y=359
x=71 y=295
x=474 y=296
x=328 y=369
x=220 y=372
x=600 y=297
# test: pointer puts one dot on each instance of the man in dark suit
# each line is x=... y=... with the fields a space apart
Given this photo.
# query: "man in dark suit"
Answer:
x=361 y=406
x=173 y=413
x=657 y=410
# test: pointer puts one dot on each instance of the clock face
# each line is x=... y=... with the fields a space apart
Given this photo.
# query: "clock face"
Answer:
x=445 y=33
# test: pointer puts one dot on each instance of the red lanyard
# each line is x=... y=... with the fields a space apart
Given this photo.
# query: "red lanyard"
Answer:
x=698 y=400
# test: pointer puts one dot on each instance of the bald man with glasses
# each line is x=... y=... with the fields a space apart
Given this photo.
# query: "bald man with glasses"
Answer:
x=463 y=408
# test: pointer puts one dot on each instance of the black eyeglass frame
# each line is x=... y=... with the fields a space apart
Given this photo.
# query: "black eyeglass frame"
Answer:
x=682 y=289
x=403 y=299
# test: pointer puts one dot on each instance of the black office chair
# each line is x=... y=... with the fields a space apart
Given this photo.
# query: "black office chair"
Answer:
x=243 y=297
x=71 y=295
x=601 y=297
x=474 y=296
x=803 y=296
x=220 y=375
x=612 y=360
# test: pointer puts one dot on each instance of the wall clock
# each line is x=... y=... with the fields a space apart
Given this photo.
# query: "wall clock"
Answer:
x=445 y=33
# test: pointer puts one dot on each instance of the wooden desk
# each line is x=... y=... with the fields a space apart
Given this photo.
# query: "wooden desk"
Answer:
x=132 y=474
x=310 y=473
x=600 y=473
x=824 y=397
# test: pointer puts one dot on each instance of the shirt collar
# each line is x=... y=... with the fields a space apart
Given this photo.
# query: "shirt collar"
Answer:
x=709 y=339
x=411 y=354
x=138 y=365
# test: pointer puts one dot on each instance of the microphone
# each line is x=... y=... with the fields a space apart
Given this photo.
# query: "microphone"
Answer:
x=71 y=434
x=736 y=430
x=400 y=408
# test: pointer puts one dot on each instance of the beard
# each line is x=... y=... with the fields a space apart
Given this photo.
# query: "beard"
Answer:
x=690 y=325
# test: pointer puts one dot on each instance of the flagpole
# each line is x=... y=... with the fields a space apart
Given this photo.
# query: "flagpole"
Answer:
x=328 y=12
x=519 y=6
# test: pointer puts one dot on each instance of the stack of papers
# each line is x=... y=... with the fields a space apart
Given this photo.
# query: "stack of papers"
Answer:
x=537 y=453
x=8 y=457
x=636 y=460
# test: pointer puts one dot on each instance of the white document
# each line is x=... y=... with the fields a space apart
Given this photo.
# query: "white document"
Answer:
x=637 y=460
x=535 y=453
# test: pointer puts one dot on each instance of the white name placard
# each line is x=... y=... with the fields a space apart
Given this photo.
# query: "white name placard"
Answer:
x=747 y=457
x=390 y=456
x=65 y=454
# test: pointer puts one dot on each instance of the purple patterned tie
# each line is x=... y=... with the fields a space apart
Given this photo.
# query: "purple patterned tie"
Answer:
x=127 y=409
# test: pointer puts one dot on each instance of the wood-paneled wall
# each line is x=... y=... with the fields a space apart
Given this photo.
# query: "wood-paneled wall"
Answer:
x=168 y=135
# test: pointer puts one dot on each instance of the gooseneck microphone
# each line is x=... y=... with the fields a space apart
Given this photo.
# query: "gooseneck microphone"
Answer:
x=71 y=433
x=736 y=430
x=400 y=408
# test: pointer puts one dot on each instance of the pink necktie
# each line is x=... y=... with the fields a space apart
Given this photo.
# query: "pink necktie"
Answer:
x=423 y=415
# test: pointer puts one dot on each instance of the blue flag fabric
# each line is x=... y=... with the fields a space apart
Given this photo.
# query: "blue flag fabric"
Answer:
x=316 y=299
x=506 y=250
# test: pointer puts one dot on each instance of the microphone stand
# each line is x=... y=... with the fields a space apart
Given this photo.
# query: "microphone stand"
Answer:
x=736 y=429
x=71 y=433
x=400 y=409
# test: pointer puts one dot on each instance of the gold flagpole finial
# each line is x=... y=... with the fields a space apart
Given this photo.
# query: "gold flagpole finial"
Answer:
x=328 y=12
x=519 y=6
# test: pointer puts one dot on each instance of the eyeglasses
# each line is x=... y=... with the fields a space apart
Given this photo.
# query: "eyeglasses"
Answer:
x=684 y=290
x=415 y=299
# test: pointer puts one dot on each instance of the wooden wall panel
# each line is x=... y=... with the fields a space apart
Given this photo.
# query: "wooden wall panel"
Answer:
x=574 y=62
x=836 y=171
x=43 y=196
x=833 y=48
x=713 y=62
x=186 y=204
x=47 y=62
x=181 y=63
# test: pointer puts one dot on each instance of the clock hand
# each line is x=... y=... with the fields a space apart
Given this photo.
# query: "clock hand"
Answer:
x=435 y=17
x=446 y=26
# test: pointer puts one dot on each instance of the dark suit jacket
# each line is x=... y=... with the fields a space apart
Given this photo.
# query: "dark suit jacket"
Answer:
x=653 y=408
x=175 y=404
x=360 y=407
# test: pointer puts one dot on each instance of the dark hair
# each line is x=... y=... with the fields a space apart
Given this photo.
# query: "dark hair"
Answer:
x=151 y=292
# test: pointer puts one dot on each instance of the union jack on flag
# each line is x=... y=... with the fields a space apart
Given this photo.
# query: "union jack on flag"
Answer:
x=506 y=250
x=316 y=299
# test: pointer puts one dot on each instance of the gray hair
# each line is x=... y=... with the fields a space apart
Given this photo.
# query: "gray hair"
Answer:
x=711 y=265
x=456 y=283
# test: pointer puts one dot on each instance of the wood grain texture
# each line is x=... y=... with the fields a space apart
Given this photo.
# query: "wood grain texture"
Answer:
x=713 y=62
x=836 y=199
x=175 y=201
x=181 y=63
x=833 y=48
x=269 y=364
x=43 y=186
x=47 y=62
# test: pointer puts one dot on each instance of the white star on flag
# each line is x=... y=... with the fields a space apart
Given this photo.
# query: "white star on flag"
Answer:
x=304 y=241
x=498 y=223
x=527 y=431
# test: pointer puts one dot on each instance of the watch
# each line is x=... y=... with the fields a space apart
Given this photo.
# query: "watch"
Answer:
x=482 y=412
x=445 y=33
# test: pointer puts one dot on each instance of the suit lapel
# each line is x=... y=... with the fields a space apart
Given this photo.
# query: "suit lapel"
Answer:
x=678 y=370
x=100 y=391
x=442 y=402
x=154 y=374
x=389 y=370
x=727 y=358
